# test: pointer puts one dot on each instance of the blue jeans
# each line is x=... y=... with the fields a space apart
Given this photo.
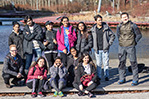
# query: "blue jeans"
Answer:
x=37 y=52
x=102 y=57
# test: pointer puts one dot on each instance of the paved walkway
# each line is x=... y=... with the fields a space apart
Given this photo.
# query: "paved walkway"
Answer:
x=110 y=85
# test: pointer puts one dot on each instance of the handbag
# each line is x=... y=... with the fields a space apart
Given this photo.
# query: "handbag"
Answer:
x=85 y=79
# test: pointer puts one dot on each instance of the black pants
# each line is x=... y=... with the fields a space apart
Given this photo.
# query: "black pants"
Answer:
x=7 y=77
x=50 y=58
x=64 y=58
x=88 y=88
x=35 y=84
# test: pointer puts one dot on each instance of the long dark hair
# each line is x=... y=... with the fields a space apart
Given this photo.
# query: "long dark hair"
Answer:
x=90 y=59
x=75 y=50
x=35 y=63
x=85 y=32
x=64 y=17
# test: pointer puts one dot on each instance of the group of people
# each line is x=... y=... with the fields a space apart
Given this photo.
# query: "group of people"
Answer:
x=67 y=54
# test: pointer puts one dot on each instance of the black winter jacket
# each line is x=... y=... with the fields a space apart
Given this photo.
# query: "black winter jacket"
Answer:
x=13 y=67
x=50 y=35
x=80 y=72
x=84 y=44
x=36 y=35
x=18 y=41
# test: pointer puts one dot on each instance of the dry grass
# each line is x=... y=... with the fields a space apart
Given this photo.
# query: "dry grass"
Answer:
x=109 y=18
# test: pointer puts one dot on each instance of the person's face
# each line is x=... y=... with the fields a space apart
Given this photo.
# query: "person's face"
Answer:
x=65 y=22
x=41 y=63
x=81 y=27
x=49 y=27
x=86 y=59
x=124 y=18
x=16 y=28
x=73 y=52
x=29 y=22
x=58 y=62
x=99 y=21
x=13 y=51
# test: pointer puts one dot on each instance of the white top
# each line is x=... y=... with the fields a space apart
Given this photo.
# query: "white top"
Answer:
x=87 y=68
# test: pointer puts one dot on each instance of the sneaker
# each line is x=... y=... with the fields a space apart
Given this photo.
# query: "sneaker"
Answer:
x=40 y=94
x=55 y=94
x=80 y=93
x=33 y=95
x=121 y=81
x=61 y=94
x=134 y=83
x=8 y=86
x=106 y=79
x=90 y=94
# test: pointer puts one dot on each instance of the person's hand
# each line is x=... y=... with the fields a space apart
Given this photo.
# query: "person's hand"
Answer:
x=19 y=75
x=40 y=77
x=54 y=40
x=89 y=83
x=80 y=87
x=65 y=51
x=61 y=65
x=27 y=32
x=67 y=31
x=45 y=43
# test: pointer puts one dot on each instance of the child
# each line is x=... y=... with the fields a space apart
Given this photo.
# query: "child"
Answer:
x=85 y=67
x=36 y=77
x=50 y=43
x=58 y=77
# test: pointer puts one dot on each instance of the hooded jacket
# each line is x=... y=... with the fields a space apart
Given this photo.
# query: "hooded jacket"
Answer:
x=108 y=37
x=60 y=38
x=28 y=38
x=18 y=41
x=13 y=67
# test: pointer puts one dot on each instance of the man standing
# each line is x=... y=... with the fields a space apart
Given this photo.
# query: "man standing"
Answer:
x=128 y=35
x=33 y=39
x=103 y=38
x=13 y=67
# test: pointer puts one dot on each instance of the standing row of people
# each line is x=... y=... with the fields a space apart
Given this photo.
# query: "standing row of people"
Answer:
x=74 y=63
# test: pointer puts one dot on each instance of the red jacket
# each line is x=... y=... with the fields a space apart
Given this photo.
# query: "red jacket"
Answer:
x=38 y=72
x=60 y=38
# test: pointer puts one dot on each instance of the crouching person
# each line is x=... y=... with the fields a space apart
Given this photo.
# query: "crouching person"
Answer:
x=86 y=76
x=58 y=77
x=13 y=67
x=37 y=76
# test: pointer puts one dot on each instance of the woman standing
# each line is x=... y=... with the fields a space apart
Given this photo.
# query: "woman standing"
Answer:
x=85 y=67
x=16 y=37
x=66 y=37
x=84 y=39
x=36 y=77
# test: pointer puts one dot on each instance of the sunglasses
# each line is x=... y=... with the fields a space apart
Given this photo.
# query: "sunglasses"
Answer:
x=13 y=50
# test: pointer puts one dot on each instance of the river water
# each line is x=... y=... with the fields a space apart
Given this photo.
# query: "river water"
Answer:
x=142 y=47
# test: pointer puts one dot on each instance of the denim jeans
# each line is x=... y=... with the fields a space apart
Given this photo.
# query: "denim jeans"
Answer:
x=36 y=52
x=28 y=62
x=102 y=58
